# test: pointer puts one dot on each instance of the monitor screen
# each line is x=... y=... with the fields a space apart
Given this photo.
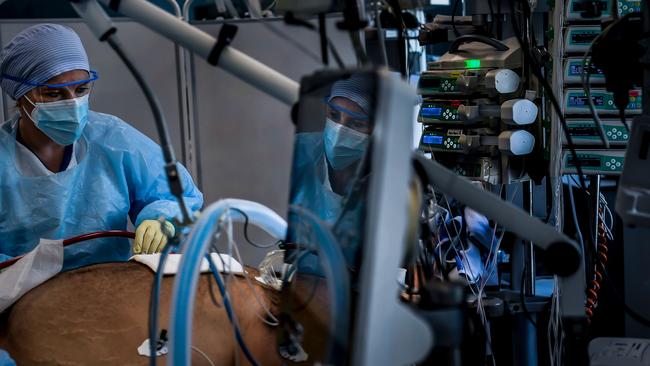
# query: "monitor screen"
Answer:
x=581 y=101
x=330 y=162
x=431 y=111
x=432 y=139
x=576 y=69
x=430 y=82
x=330 y=180
x=583 y=37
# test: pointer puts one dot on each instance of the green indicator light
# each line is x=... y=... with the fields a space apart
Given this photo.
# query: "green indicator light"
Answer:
x=473 y=64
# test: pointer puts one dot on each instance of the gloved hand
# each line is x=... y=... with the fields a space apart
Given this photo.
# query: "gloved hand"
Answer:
x=150 y=238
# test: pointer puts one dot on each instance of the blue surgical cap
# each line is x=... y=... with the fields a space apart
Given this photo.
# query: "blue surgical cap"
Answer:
x=38 y=54
x=359 y=88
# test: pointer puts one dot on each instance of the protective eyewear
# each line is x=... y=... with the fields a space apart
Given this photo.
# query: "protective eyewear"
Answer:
x=93 y=76
x=354 y=115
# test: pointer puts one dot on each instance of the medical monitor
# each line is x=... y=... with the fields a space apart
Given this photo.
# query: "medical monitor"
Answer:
x=350 y=175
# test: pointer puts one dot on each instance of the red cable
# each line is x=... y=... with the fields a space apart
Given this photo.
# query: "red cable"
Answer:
x=79 y=239
x=99 y=234
x=595 y=284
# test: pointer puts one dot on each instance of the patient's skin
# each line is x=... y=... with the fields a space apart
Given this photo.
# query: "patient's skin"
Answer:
x=98 y=315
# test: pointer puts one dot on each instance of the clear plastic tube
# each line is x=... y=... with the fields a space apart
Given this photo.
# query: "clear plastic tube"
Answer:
x=193 y=252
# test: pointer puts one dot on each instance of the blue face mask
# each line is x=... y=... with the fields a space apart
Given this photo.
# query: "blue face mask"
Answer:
x=343 y=145
x=63 y=121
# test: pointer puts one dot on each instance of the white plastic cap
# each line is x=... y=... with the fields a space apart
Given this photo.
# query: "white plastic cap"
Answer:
x=518 y=112
x=504 y=81
x=519 y=142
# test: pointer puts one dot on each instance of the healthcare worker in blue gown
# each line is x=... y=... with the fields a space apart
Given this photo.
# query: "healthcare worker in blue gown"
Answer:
x=66 y=170
x=331 y=170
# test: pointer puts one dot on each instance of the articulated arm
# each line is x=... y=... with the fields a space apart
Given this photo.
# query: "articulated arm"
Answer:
x=194 y=249
x=195 y=40
x=562 y=254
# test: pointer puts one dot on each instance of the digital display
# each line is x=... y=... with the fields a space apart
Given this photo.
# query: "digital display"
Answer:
x=431 y=111
x=576 y=69
x=598 y=100
x=430 y=82
x=583 y=37
x=591 y=162
x=432 y=140
x=581 y=101
x=580 y=6
x=583 y=131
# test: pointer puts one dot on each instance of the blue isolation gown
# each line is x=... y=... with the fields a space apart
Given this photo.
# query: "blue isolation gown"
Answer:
x=119 y=174
x=310 y=189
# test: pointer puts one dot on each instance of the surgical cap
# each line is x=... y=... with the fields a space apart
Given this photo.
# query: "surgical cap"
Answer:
x=358 y=88
x=38 y=54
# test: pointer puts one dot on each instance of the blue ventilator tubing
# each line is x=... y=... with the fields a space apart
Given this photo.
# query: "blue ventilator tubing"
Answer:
x=229 y=311
x=182 y=307
x=336 y=272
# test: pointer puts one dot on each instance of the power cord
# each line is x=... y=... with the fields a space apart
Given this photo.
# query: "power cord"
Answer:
x=171 y=166
x=322 y=32
x=380 y=34
x=291 y=19
x=287 y=38
x=454 y=9
x=154 y=304
x=601 y=254
x=401 y=29
x=547 y=88
x=523 y=300
x=197 y=350
x=621 y=114
x=229 y=311
x=213 y=298
x=273 y=322
x=334 y=268
x=493 y=19
x=246 y=221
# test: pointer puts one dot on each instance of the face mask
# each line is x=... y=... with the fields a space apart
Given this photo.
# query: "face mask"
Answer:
x=343 y=145
x=63 y=121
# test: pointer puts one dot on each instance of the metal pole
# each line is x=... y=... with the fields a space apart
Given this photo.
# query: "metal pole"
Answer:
x=529 y=254
x=506 y=214
x=594 y=188
x=235 y=62
x=186 y=86
x=524 y=341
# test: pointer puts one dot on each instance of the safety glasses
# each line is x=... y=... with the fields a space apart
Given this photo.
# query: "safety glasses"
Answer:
x=351 y=114
x=93 y=76
x=355 y=120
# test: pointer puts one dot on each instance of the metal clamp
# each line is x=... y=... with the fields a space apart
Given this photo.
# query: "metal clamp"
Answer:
x=226 y=35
